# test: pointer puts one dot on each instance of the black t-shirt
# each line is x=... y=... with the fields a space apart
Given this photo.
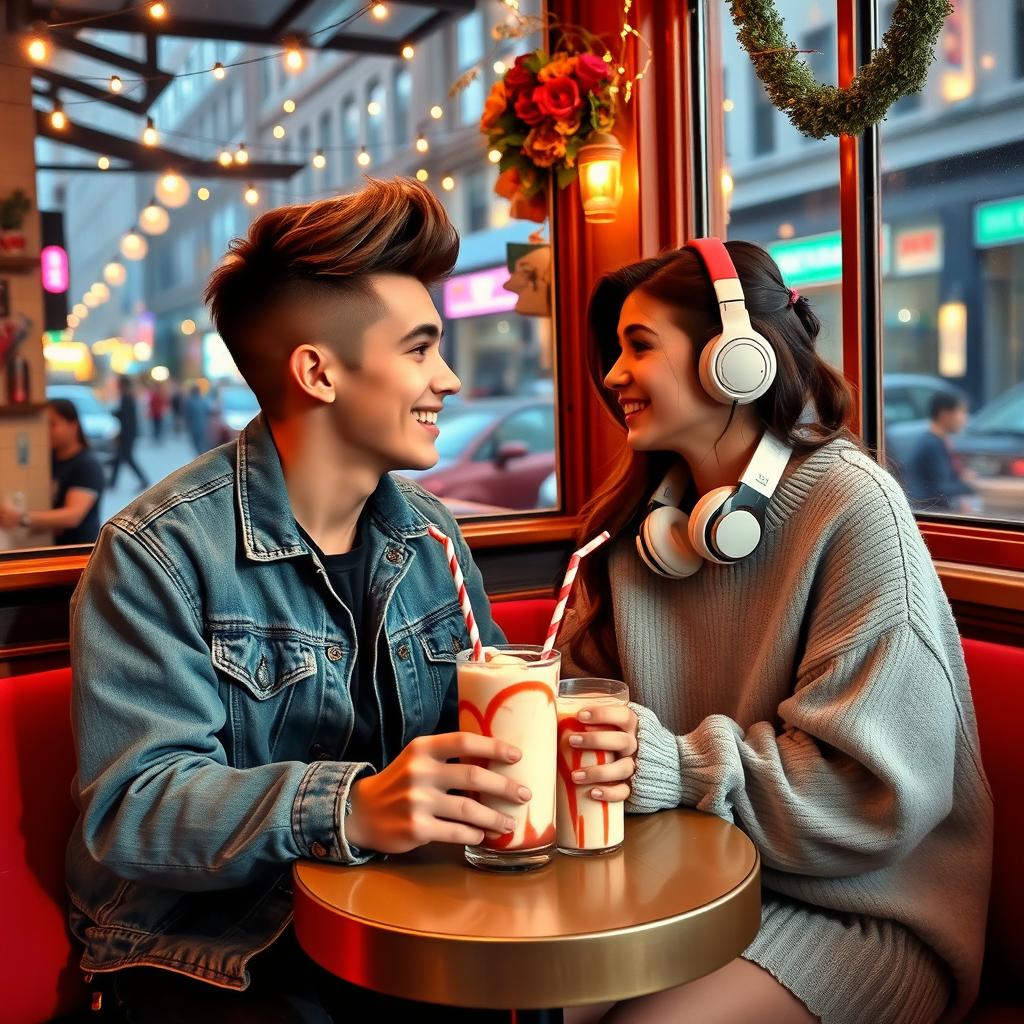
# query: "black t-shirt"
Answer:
x=83 y=471
x=349 y=578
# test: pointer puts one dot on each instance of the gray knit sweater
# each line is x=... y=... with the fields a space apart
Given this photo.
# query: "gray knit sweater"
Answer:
x=816 y=696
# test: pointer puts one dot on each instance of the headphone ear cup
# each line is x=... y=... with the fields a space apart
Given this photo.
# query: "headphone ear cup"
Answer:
x=703 y=513
x=705 y=371
x=664 y=546
x=748 y=362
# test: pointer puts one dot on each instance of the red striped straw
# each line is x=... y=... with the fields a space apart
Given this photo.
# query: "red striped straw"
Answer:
x=460 y=588
x=567 y=582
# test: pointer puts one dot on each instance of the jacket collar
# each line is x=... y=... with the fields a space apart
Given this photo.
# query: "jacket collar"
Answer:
x=268 y=524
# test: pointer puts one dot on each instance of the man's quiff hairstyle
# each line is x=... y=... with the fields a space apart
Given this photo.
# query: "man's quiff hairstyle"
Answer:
x=323 y=250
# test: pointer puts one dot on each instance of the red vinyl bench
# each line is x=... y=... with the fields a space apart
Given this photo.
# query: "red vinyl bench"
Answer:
x=39 y=975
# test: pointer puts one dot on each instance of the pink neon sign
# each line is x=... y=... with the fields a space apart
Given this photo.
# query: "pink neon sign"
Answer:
x=54 y=261
x=477 y=293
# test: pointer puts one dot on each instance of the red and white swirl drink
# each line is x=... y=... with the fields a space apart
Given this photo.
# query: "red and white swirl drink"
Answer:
x=511 y=696
x=585 y=825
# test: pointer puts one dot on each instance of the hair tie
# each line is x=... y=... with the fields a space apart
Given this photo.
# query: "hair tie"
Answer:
x=793 y=296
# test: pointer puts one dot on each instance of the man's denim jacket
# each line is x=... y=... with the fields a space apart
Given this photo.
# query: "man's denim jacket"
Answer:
x=212 y=663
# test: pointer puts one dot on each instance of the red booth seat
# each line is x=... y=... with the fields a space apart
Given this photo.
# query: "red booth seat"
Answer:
x=39 y=976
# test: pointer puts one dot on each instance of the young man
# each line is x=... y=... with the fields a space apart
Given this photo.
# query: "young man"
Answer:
x=263 y=643
x=933 y=481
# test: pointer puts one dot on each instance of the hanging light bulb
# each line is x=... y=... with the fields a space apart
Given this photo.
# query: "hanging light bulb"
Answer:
x=319 y=160
x=422 y=174
x=115 y=83
x=73 y=321
x=408 y=51
x=241 y=154
x=158 y=11
x=494 y=156
x=90 y=300
x=203 y=193
x=252 y=197
x=100 y=290
x=58 y=119
x=278 y=131
x=363 y=159
x=288 y=106
x=600 y=164
x=154 y=219
x=422 y=146
x=172 y=190
x=133 y=246
x=436 y=112
x=447 y=183
x=150 y=136
x=81 y=310
x=37 y=48
x=373 y=108
x=224 y=158
x=293 y=59
x=380 y=11
x=219 y=71
x=103 y=163
x=115 y=274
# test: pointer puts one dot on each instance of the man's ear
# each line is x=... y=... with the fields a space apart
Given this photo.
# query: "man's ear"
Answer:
x=315 y=370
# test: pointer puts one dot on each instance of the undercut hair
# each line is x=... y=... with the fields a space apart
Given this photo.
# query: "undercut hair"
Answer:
x=323 y=252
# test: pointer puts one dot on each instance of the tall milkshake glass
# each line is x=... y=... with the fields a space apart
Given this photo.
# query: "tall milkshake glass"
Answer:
x=511 y=696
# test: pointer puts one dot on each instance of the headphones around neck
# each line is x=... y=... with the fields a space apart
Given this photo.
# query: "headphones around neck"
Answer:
x=726 y=524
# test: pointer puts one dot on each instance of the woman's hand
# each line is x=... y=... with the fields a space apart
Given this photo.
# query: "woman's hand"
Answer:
x=612 y=728
x=409 y=803
x=10 y=517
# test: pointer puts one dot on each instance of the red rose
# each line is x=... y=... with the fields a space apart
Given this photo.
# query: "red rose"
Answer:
x=590 y=70
x=558 y=98
x=527 y=109
x=519 y=77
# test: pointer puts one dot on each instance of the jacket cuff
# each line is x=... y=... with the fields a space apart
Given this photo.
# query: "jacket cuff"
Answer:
x=318 y=813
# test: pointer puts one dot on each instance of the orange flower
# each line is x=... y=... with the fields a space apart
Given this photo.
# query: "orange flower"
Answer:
x=535 y=209
x=507 y=185
x=494 y=106
x=544 y=146
x=568 y=128
x=561 y=66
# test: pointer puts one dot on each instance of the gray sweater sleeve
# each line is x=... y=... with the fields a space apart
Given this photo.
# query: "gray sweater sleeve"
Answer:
x=860 y=772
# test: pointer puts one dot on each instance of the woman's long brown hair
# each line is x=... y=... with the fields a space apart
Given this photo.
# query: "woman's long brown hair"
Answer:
x=808 y=405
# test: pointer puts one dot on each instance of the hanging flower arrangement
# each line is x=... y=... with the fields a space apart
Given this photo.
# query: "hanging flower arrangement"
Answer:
x=538 y=116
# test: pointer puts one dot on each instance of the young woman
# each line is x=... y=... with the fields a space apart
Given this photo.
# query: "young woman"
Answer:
x=793 y=661
x=78 y=482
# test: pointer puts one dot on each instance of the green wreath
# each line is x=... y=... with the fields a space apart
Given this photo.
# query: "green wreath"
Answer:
x=898 y=68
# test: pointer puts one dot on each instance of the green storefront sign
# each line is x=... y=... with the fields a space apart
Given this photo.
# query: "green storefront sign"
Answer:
x=818 y=259
x=999 y=223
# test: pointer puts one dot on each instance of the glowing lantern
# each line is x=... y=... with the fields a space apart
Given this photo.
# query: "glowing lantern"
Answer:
x=600 y=164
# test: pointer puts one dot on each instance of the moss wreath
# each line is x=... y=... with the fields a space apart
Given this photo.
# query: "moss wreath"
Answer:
x=898 y=68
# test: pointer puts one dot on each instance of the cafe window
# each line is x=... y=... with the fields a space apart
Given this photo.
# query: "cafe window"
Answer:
x=763 y=119
x=156 y=333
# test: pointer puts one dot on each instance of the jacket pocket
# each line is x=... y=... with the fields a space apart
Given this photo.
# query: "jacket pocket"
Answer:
x=441 y=636
x=264 y=665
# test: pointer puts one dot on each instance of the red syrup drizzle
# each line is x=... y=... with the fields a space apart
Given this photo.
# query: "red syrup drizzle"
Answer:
x=531 y=837
x=566 y=768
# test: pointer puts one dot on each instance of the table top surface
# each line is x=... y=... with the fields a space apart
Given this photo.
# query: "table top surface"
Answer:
x=681 y=881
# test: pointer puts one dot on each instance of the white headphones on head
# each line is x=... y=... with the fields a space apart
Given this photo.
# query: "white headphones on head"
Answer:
x=726 y=525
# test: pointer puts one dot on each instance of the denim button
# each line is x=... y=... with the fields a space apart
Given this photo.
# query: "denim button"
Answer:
x=318 y=849
x=403 y=652
x=335 y=653
x=394 y=556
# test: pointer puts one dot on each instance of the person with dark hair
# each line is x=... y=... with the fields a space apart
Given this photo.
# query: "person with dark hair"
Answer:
x=78 y=481
x=264 y=643
x=792 y=659
x=933 y=481
x=128 y=416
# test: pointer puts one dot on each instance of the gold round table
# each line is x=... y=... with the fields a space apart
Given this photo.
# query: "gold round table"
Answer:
x=680 y=899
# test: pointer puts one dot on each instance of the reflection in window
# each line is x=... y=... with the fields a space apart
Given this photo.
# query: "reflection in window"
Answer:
x=953 y=282
x=349 y=139
x=376 y=119
x=403 y=96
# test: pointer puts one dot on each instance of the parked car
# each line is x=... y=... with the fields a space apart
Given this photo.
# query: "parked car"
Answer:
x=99 y=425
x=992 y=448
x=233 y=406
x=495 y=451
